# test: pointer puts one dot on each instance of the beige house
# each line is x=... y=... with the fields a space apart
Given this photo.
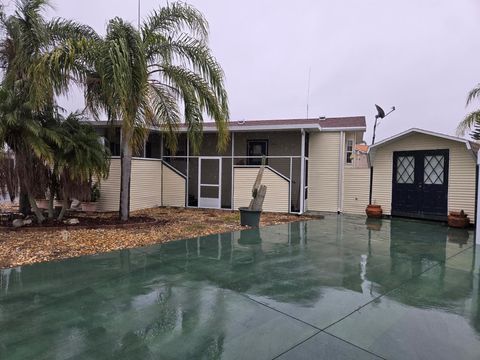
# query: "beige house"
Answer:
x=423 y=174
x=307 y=162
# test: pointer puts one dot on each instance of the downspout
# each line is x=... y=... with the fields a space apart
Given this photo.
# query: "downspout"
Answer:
x=302 y=174
x=341 y=161
x=232 y=200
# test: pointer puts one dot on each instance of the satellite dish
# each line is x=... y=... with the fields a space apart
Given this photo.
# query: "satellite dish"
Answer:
x=381 y=112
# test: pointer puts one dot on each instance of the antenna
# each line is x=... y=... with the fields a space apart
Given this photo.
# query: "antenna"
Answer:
x=308 y=89
x=138 y=17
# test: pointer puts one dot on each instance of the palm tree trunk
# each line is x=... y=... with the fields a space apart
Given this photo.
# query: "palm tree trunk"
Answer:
x=64 y=208
x=50 y=203
x=126 y=170
x=36 y=210
x=24 y=203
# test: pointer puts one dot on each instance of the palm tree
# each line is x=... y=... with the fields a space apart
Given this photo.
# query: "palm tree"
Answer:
x=26 y=38
x=153 y=77
x=472 y=119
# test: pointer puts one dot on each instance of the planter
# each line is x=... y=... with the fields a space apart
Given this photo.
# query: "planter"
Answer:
x=374 y=211
x=249 y=217
x=458 y=219
x=42 y=204
x=89 y=206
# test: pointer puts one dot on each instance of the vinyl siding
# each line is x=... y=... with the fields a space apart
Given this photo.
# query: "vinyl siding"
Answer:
x=145 y=184
x=356 y=190
x=276 y=198
x=461 y=189
x=110 y=189
x=323 y=171
x=173 y=188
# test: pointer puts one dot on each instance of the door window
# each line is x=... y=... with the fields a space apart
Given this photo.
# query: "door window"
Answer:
x=405 y=169
x=433 y=173
x=257 y=148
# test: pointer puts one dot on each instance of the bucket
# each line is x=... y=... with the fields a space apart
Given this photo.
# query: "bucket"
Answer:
x=249 y=217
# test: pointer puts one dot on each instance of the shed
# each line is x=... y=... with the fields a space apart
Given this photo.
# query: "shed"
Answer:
x=423 y=174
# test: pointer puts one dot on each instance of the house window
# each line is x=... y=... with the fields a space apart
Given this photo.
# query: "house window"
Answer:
x=256 y=148
x=112 y=141
x=349 y=151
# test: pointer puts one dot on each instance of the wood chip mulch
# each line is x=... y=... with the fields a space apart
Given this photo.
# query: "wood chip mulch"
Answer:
x=39 y=245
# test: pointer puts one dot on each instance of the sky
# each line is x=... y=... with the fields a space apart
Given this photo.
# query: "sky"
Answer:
x=421 y=56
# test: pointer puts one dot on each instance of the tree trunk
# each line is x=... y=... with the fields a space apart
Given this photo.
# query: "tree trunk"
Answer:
x=50 y=203
x=36 y=210
x=24 y=203
x=126 y=170
x=64 y=208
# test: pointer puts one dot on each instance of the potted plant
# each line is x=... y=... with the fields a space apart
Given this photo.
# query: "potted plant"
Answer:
x=374 y=211
x=91 y=204
x=458 y=219
x=250 y=216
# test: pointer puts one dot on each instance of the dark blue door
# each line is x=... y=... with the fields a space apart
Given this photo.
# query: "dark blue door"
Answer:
x=420 y=184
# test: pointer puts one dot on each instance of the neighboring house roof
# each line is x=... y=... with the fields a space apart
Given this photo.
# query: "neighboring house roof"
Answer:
x=353 y=123
x=470 y=145
x=361 y=148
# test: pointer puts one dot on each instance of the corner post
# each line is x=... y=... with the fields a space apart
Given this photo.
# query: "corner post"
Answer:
x=302 y=174
x=477 y=215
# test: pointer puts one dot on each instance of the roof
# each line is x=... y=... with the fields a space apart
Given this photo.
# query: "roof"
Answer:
x=363 y=148
x=353 y=123
x=470 y=145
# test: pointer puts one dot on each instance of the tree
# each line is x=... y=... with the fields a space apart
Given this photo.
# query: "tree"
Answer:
x=29 y=86
x=472 y=120
x=153 y=77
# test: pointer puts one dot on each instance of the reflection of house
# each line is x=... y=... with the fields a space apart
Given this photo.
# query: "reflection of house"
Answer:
x=305 y=158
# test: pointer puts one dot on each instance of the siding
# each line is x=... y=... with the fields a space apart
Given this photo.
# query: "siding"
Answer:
x=145 y=184
x=461 y=189
x=173 y=188
x=323 y=171
x=356 y=190
x=276 y=199
x=110 y=189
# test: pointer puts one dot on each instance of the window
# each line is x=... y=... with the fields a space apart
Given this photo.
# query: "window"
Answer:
x=433 y=173
x=405 y=170
x=256 y=148
x=349 y=151
x=112 y=137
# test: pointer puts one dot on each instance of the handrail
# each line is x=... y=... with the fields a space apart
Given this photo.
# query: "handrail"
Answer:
x=178 y=172
x=266 y=167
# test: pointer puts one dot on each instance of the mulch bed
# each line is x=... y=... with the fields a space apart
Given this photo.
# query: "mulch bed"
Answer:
x=103 y=233
x=88 y=222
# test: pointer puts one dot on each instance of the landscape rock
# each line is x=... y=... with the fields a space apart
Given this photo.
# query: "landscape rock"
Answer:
x=27 y=222
x=73 y=221
x=18 y=223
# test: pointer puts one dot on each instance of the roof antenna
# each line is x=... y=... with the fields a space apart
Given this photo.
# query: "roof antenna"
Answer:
x=138 y=17
x=308 y=89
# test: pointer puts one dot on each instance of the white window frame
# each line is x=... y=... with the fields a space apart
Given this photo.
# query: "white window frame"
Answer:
x=351 y=152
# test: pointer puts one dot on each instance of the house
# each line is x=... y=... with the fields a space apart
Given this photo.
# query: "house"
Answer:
x=423 y=174
x=308 y=161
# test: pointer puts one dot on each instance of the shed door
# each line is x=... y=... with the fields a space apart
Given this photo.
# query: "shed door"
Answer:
x=420 y=184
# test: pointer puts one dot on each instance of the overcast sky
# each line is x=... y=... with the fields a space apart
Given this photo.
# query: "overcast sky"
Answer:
x=421 y=56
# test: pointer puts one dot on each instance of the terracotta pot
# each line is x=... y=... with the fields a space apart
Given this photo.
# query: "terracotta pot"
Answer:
x=458 y=219
x=42 y=203
x=374 y=211
x=89 y=206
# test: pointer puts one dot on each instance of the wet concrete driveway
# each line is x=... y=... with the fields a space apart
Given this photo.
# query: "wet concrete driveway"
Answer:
x=337 y=288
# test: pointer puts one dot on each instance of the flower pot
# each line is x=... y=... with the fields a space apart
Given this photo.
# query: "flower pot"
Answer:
x=42 y=204
x=249 y=217
x=458 y=219
x=374 y=211
x=89 y=206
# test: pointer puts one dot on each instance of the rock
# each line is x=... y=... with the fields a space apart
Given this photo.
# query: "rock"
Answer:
x=75 y=204
x=27 y=222
x=72 y=221
x=17 y=223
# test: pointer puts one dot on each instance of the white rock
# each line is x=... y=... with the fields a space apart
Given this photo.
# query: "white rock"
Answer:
x=18 y=223
x=72 y=221
x=27 y=222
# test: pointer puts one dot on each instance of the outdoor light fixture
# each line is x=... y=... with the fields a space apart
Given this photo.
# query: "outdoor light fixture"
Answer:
x=380 y=115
